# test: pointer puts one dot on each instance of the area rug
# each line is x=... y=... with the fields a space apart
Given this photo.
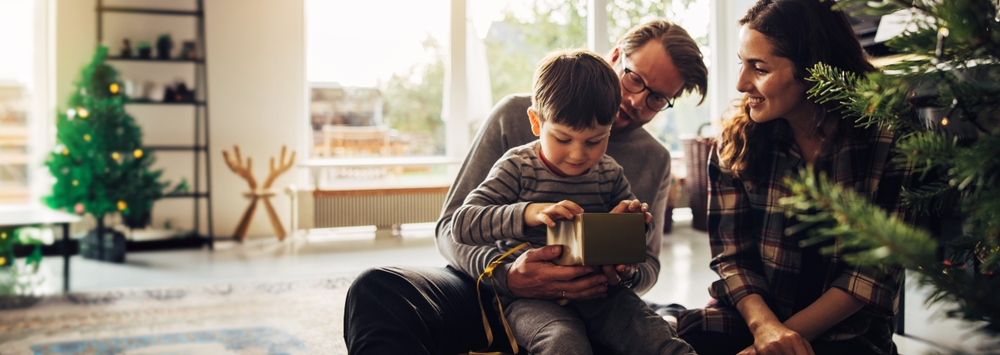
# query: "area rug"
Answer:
x=301 y=316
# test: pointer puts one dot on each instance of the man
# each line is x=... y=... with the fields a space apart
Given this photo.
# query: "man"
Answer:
x=436 y=310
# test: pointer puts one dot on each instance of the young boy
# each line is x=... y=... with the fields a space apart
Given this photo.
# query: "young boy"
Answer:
x=576 y=96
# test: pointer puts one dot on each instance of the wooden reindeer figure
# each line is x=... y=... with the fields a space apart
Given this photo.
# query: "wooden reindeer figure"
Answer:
x=255 y=194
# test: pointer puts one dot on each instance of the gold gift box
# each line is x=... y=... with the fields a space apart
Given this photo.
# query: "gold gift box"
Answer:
x=600 y=239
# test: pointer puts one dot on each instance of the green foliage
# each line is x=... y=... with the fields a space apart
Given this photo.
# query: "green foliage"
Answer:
x=98 y=161
x=413 y=99
x=944 y=99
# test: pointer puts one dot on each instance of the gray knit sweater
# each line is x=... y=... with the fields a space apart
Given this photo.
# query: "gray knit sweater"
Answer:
x=494 y=211
x=645 y=160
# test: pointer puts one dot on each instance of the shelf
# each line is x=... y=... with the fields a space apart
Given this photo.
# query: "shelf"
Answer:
x=171 y=60
x=133 y=10
x=187 y=194
x=174 y=147
x=138 y=102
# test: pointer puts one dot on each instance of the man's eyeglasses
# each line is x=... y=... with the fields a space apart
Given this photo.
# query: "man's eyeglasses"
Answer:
x=633 y=83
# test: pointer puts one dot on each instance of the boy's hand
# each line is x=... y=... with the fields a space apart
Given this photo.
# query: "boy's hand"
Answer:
x=618 y=273
x=547 y=213
x=633 y=206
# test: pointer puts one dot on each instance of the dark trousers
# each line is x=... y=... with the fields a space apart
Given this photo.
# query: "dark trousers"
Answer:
x=408 y=310
x=714 y=343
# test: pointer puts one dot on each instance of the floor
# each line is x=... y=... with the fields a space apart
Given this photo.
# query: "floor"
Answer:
x=684 y=275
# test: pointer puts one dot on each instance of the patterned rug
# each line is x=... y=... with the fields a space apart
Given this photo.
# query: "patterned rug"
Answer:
x=271 y=317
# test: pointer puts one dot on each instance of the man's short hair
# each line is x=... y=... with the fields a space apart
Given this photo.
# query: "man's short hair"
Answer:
x=576 y=88
x=679 y=45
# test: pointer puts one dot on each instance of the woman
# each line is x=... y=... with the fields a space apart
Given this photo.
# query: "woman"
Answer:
x=775 y=297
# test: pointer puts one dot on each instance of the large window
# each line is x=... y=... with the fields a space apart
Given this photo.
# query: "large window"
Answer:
x=378 y=73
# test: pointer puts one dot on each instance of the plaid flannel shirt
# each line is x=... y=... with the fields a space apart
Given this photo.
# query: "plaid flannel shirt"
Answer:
x=752 y=255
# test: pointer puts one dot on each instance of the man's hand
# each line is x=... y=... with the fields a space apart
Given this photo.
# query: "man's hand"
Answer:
x=633 y=206
x=533 y=275
x=536 y=214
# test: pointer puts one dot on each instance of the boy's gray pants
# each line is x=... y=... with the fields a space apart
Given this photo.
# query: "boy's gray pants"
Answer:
x=622 y=322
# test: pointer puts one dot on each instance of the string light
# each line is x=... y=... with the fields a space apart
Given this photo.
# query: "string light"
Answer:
x=944 y=121
x=114 y=88
x=122 y=206
x=82 y=112
x=137 y=153
x=114 y=155
x=3 y=261
x=86 y=137
x=65 y=151
x=70 y=114
x=76 y=183
x=3 y=235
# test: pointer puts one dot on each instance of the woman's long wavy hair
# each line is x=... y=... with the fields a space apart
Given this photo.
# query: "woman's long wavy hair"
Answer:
x=806 y=32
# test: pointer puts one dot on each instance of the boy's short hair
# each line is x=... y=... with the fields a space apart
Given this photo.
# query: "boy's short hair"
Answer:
x=576 y=88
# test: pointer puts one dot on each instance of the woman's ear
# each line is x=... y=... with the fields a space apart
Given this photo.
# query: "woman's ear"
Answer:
x=536 y=124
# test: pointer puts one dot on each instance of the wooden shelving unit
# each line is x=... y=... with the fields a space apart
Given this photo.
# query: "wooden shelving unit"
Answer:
x=201 y=188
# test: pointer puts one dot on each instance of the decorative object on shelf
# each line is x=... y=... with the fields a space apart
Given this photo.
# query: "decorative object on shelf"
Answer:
x=256 y=194
x=131 y=89
x=182 y=187
x=145 y=51
x=189 y=50
x=182 y=93
x=155 y=92
x=126 y=48
x=94 y=163
x=164 y=45
x=951 y=136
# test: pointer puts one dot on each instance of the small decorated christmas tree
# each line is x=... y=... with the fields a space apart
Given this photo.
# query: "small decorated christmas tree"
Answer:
x=943 y=97
x=98 y=161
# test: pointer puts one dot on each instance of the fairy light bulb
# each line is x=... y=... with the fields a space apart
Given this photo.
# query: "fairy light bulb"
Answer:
x=114 y=88
x=122 y=206
x=115 y=156
x=137 y=153
x=86 y=137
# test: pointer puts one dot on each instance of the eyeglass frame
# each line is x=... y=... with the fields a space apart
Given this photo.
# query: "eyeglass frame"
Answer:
x=627 y=71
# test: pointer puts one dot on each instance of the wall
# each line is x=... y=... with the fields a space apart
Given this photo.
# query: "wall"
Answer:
x=256 y=89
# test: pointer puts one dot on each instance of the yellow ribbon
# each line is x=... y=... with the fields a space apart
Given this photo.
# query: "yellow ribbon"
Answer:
x=486 y=324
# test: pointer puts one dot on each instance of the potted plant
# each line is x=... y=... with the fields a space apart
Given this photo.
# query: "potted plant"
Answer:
x=163 y=46
x=145 y=51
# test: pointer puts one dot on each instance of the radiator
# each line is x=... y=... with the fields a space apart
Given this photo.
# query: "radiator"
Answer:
x=380 y=207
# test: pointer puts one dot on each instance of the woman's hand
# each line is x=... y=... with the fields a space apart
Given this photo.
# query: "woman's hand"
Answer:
x=533 y=275
x=774 y=338
x=633 y=206
x=536 y=214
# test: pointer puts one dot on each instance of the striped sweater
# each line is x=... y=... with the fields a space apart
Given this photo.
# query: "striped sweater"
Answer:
x=494 y=212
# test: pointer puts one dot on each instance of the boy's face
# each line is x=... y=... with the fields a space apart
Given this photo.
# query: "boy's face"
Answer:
x=570 y=152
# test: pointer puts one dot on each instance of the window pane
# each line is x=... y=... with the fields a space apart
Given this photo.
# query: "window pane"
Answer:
x=376 y=76
x=16 y=93
x=524 y=31
x=380 y=65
